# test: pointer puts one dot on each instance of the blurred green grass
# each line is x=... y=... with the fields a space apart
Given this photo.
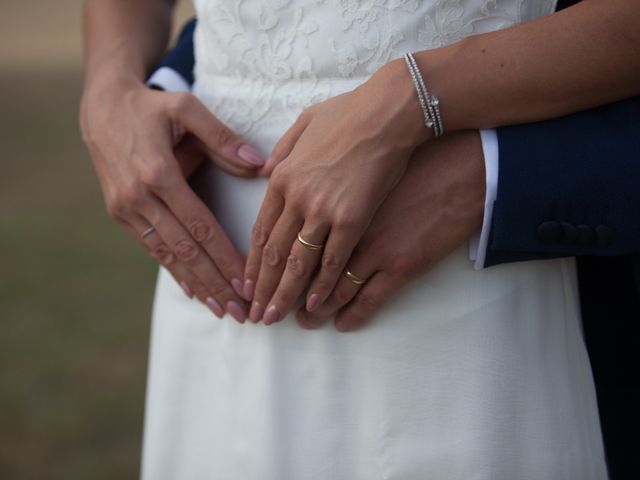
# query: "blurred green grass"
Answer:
x=75 y=290
x=75 y=296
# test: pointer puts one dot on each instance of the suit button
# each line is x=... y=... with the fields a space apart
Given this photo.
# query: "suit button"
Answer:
x=550 y=232
x=586 y=235
x=604 y=236
x=569 y=233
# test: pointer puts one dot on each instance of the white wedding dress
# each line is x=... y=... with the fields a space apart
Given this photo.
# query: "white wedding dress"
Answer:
x=465 y=375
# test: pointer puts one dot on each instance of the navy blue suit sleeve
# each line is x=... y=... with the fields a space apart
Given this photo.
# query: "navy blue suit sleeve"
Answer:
x=181 y=58
x=569 y=186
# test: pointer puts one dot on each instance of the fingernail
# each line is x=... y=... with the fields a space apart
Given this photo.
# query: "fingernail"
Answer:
x=236 y=311
x=272 y=315
x=187 y=291
x=237 y=286
x=313 y=302
x=256 y=312
x=247 y=292
x=251 y=155
x=214 y=307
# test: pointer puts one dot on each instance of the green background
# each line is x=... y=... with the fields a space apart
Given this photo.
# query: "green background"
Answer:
x=75 y=290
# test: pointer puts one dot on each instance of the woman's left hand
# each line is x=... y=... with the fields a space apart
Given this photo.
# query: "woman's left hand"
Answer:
x=436 y=207
x=329 y=174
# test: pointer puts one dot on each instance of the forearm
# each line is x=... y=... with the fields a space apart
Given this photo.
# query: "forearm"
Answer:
x=579 y=58
x=123 y=38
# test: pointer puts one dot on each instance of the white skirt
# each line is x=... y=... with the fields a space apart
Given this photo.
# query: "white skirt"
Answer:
x=464 y=375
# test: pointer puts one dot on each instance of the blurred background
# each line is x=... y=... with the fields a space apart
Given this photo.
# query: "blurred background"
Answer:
x=75 y=291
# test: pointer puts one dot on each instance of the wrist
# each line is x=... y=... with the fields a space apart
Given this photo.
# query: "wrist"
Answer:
x=111 y=86
x=398 y=93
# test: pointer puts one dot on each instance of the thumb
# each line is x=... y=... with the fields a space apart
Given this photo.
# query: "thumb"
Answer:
x=227 y=149
x=286 y=143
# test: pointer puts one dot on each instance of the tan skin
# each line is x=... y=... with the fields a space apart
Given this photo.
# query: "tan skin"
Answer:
x=437 y=205
x=514 y=79
x=142 y=140
x=353 y=148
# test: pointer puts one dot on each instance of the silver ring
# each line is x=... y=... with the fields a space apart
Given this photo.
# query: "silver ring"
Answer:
x=148 y=232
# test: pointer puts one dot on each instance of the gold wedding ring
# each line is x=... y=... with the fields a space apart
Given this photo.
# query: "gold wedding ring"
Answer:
x=309 y=245
x=356 y=280
x=147 y=232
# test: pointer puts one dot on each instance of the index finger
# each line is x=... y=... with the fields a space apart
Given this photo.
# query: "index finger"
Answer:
x=205 y=229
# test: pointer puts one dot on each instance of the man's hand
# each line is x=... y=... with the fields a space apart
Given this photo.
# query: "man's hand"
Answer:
x=434 y=209
x=144 y=143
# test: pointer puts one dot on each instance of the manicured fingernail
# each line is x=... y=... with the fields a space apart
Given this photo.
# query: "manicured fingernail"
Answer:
x=214 y=307
x=236 y=311
x=272 y=315
x=237 y=286
x=256 y=312
x=187 y=291
x=313 y=302
x=251 y=155
x=247 y=292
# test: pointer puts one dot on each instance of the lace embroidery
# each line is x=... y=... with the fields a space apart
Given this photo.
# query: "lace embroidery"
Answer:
x=266 y=60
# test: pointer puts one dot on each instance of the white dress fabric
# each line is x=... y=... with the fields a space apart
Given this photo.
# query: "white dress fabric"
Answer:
x=474 y=375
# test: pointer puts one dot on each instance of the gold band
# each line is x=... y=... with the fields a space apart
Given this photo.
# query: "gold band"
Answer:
x=309 y=245
x=356 y=280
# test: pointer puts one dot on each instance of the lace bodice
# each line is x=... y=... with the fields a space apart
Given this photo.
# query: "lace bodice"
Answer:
x=271 y=58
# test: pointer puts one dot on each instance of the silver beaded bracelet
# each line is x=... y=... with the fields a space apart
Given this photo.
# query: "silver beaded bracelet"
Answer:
x=429 y=103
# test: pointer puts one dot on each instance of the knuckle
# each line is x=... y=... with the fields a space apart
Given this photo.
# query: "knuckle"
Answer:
x=316 y=209
x=259 y=234
x=130 y=197
x=115 y=208
x=163 y=254
x=341 y=296
x=201 y=231
x=403 y=265
x=272 y=256
x=156 y=175
x=369 y=303
x=331 y=262
x=346 y=221
x=221 y=135
x=295 y=266
x=186 y=250
x=278 y=179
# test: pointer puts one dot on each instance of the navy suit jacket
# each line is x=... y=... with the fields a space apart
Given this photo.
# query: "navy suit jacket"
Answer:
x=569 y=187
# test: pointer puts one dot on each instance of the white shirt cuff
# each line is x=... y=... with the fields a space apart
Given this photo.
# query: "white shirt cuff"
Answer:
x=479 y=242
x=170 y=80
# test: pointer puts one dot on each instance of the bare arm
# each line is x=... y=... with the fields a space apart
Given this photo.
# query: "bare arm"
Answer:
x=581 y=57
x=124 y=38
x=584 y=56
x=143 y=141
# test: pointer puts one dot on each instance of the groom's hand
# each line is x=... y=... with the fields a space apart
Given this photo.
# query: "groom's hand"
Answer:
x=143 y=144
x=436 y=207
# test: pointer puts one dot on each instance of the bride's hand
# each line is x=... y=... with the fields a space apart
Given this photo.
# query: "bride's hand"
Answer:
x=143 y=142
x=330 y=172
x=434 y=209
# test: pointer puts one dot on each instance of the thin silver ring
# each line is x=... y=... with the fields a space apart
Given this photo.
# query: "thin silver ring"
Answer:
x=148 y=232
